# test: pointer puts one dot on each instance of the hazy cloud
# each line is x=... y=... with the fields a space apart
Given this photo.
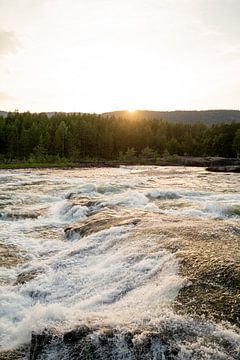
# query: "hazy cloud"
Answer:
x=9 y=43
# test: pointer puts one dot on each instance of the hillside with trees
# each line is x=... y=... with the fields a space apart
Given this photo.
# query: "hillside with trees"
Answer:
x=209 y=117
x=75 y=137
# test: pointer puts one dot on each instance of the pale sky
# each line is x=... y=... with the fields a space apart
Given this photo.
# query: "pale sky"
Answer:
x=103 y=55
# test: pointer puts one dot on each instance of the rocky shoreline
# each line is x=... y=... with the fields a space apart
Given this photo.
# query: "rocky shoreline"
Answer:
x=212 y=163
x=228 y=168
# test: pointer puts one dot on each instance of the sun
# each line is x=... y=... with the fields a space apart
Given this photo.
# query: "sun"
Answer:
x=131 y=110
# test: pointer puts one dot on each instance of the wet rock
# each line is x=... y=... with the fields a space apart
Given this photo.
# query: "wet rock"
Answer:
x=208 y=260
x=19 y=354
x=209 y=302
x=101 y=344
x=11 y=256
x=76 y=335
x=26 y=276
x=229 y=168
x=75 y=344
x=19 y=215
x=38 y=342
x=140 y=344
x=211 y=264
x=98 y=222
x=197 y=161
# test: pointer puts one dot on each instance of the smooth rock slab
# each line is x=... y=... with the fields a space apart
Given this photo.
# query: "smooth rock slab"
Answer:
x=98 y=222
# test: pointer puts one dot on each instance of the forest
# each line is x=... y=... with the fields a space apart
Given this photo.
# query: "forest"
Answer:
x=37 y=137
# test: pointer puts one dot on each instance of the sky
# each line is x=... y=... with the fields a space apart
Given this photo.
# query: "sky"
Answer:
x=104 y=55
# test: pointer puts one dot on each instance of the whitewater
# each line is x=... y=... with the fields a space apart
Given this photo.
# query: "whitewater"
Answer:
x=119 y=263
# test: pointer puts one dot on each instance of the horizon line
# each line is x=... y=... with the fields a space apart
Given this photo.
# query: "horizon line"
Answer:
x=113 y=111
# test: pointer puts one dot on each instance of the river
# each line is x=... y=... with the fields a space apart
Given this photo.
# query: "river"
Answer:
x=133 y=263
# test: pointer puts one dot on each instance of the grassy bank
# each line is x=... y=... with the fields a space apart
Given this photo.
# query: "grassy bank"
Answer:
x=26 y=165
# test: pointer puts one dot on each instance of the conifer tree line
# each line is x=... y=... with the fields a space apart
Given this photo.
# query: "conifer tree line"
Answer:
x=25 y=136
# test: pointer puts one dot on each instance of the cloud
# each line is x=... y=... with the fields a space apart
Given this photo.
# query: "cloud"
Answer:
x=9 y=43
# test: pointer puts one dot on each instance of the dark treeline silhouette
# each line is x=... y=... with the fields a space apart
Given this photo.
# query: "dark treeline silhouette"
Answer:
x=25 y=136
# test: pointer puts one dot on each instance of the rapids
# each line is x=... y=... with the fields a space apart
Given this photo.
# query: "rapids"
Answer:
x=132 y=262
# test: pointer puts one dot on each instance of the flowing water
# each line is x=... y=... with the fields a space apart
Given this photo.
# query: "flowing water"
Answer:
x=121 y=263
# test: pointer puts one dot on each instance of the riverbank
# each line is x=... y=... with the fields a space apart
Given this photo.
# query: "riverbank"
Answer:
x=163 y=161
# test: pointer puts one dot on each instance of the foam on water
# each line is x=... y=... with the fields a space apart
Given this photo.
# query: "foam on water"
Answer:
x=110 y=277
x=7 y=275
x=132 y=200
x=106 y=275
x=197 y=204
x=65 y=212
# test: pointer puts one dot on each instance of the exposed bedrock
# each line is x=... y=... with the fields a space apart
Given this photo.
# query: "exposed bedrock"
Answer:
x=11 y=255
x=18 y=354
x=107 y=343
x=18 y=213
x=98 y=222
x=209 y=261
x=186 y=339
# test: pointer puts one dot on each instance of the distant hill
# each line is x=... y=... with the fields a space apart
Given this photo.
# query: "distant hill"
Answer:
x=181 y=116
x=205 y=116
